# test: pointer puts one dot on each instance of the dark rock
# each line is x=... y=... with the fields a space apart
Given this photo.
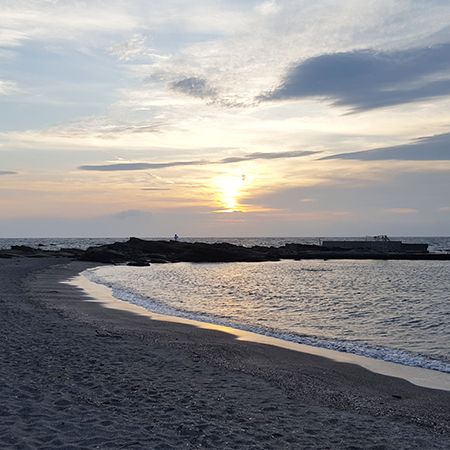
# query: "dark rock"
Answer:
x=170 y=251
x=73 y=252
x=24 y=249
x=106 y=255
x=139 y=252
x=294 y=251
x=138 y=263
x=224 y=252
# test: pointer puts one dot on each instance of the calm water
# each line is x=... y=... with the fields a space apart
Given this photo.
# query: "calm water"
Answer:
x=393 y=310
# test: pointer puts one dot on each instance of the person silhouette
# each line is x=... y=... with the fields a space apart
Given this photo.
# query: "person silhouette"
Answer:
x=175 y=238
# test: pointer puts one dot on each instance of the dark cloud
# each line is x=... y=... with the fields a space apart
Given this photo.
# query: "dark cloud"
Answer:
x=431 y=148
x=7 y=172
x=195 y=87
x=233 y=159
x=200 y=88
x=258 y=155
x=365 y=80
x=139 y=166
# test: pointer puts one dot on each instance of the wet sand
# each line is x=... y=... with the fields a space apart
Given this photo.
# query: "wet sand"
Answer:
x=78 y=375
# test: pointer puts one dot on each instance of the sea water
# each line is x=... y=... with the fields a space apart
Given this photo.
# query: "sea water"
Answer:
x=397 y=311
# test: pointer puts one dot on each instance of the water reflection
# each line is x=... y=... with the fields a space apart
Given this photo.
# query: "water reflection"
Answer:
x=399 y=305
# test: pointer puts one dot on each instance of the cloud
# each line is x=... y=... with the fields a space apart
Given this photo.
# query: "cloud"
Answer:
x=365 y=79
x=7 y=87
x=45 y=20
x=195 y=87
x=90 y=127
x=268 y=8
x=132 y=49
x=429 y=148
x=400 y=211
x=155 y=189
x=268 y=155
x=201 y=88
x=7 y=172
x=138 y=166
x=130 y=214
x=400 y=193
x=233 y=159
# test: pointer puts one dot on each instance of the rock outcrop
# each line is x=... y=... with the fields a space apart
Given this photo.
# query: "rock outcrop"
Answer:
x=139 y=252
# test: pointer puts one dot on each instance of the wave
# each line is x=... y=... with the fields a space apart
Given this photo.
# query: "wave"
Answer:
x=398 y=356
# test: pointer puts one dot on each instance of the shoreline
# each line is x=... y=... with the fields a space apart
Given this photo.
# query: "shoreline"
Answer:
x=78 y=375
x=316 y=380
x=416 y=375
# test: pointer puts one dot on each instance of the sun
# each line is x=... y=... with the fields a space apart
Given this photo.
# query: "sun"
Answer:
x=229 y=188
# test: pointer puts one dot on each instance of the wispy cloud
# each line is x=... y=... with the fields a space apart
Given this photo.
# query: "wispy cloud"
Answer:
x=367 y=79
x=138 y=166
x=195 y=87
x=8 y=87
x=268 y=155
x=46 y=20
x=168 y=104
x=97 y=128
x=201 y=88
x=131 y=49
x=155 y=189
x=400 y=211
x=429 y=148
x=146 y=166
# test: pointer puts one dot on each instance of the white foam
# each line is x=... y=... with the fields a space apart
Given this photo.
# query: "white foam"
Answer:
x=416 y=375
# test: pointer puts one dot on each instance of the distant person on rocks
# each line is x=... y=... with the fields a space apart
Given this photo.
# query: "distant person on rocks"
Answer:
x=175 y=238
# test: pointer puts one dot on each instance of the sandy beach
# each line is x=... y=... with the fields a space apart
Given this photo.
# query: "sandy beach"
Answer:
x=78 y=375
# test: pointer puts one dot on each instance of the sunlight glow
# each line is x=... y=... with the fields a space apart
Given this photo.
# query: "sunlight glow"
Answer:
x=229 y=188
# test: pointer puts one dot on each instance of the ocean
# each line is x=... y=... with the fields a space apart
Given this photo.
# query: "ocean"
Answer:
x=397 y=311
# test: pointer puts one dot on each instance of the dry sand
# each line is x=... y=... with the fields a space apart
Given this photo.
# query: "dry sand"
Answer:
x=77 y=375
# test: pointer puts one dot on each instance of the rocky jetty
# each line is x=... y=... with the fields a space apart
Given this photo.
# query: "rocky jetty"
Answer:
x=140 y=252
x=31 y=252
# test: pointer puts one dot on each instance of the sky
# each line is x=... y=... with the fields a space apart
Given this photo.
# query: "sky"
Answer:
x=215 y=118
